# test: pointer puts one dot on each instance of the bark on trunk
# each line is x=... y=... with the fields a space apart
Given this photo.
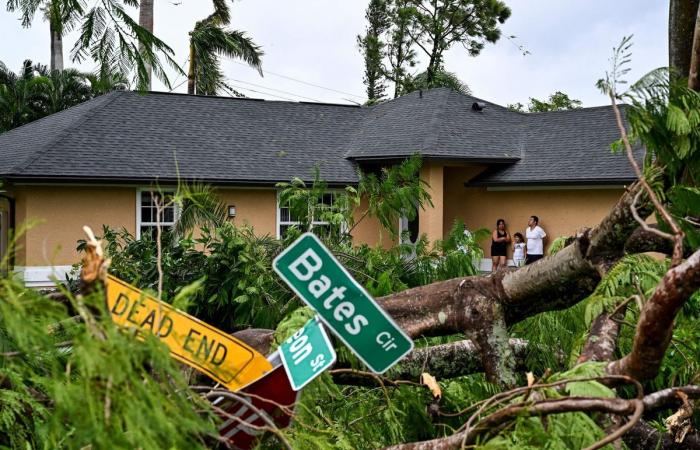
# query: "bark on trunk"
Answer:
x=681 y=23
x=655 y=326
x=602 y=339
x=191 y=72
x=146 y=21
x=642 y=436
x=694 y=72
x=450 y=360
x=56 y=48
x=642 y=241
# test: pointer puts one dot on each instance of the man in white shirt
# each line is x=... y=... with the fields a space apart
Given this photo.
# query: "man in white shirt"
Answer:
x=535 y=240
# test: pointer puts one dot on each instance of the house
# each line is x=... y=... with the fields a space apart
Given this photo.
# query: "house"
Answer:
x=93 y=164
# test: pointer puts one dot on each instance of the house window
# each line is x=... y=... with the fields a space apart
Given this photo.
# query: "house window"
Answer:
x=408 y=229
x=147 y=212
x=287 y=219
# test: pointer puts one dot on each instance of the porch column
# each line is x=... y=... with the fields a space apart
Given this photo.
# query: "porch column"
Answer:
x=430 y=219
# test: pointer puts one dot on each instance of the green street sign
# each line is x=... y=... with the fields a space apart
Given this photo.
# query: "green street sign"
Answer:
x=306 y=354
x=314 y=274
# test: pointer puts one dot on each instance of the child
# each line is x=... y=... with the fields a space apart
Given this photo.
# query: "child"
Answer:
x=519 y=250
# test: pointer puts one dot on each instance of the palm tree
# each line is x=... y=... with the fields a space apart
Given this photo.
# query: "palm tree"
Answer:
x=61 y=15
x=441 y=78
x=35 y=92
x=208 y=41
x=111 y=37
x=108 y=35
x=21 y=98
x=146 y=21
x=64 y=89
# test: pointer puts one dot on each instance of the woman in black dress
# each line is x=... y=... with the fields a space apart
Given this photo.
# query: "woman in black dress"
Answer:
x=499 y=245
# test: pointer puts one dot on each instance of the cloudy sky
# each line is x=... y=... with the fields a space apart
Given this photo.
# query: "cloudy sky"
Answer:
x=311 y=51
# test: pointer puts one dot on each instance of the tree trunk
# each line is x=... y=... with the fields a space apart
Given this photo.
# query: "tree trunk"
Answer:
x=56 y=48
x=694 y=72
x=681 y=23
x=146 y=21
x=191 y=72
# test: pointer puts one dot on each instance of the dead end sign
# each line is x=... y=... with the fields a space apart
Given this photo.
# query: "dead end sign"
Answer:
x=317 y=277
x=191 y=341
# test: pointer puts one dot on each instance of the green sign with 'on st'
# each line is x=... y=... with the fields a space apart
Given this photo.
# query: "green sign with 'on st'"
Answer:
x=306 y=354
x=314 y=274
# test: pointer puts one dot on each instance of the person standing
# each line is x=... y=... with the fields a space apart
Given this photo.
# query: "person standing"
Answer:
x=519 y=250
x=535 y=240
x=499 y=245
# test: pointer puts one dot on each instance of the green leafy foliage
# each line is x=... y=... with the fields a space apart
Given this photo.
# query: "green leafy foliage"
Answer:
x=393 y=192
x=35 y=92
x=437 y=26
x=558 y=101
x=441 y=78
x=209 y=41
x=67 y=383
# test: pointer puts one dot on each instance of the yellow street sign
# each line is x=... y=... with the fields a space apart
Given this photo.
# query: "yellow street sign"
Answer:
x=191 y=341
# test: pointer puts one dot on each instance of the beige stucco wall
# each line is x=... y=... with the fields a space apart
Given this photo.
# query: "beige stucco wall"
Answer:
x=57 y=214
x=60 y=212
x=561 y=211
x=431 y=218
x=256 y=208
x=368 y=230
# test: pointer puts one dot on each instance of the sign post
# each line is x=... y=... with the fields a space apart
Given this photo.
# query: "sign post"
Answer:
x=314 y=274
x=224 y=358
x=306 y=354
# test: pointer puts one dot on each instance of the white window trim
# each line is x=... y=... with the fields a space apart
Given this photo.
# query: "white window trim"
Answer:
x=279 y=223
x=139 y=224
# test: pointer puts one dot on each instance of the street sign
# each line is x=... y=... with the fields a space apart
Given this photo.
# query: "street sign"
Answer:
x=271 y=395
x=306 y=354
x=310 y=269
x=224 y=358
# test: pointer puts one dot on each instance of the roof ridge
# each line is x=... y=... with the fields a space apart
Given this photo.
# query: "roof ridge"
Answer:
x=251 y=99
x=572 y=110
x=84 y=118
x=437 y=118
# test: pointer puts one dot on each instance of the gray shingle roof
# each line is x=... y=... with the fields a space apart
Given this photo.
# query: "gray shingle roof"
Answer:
x=125 y=136
x=438 y=123
x=565 y=147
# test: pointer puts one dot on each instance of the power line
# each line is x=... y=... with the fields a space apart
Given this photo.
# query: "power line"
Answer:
x=300 y=81
x=259 y=92
x=178 y=77
x=273 y=89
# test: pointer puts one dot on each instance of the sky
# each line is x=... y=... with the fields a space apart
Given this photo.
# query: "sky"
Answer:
x=311 y=51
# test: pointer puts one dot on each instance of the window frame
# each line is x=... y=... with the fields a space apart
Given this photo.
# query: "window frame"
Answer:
x=139 y=205
x=279 y=223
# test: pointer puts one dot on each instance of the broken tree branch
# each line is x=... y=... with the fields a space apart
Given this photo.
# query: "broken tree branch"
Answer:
x=655 y=326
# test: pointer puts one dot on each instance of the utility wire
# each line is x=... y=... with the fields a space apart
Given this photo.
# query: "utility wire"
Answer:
x=178 y=77
x=299 y=81
x=273 y=89
x=259 y=92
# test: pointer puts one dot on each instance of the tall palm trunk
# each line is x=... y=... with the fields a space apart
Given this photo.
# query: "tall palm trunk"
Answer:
x=191 y=71
x=56 y=47
x=682 y=15
x=146 y=21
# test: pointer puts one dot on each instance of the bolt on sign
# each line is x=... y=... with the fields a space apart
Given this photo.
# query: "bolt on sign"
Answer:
x=224 y=358
x=314 y=274
x=307 y=353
